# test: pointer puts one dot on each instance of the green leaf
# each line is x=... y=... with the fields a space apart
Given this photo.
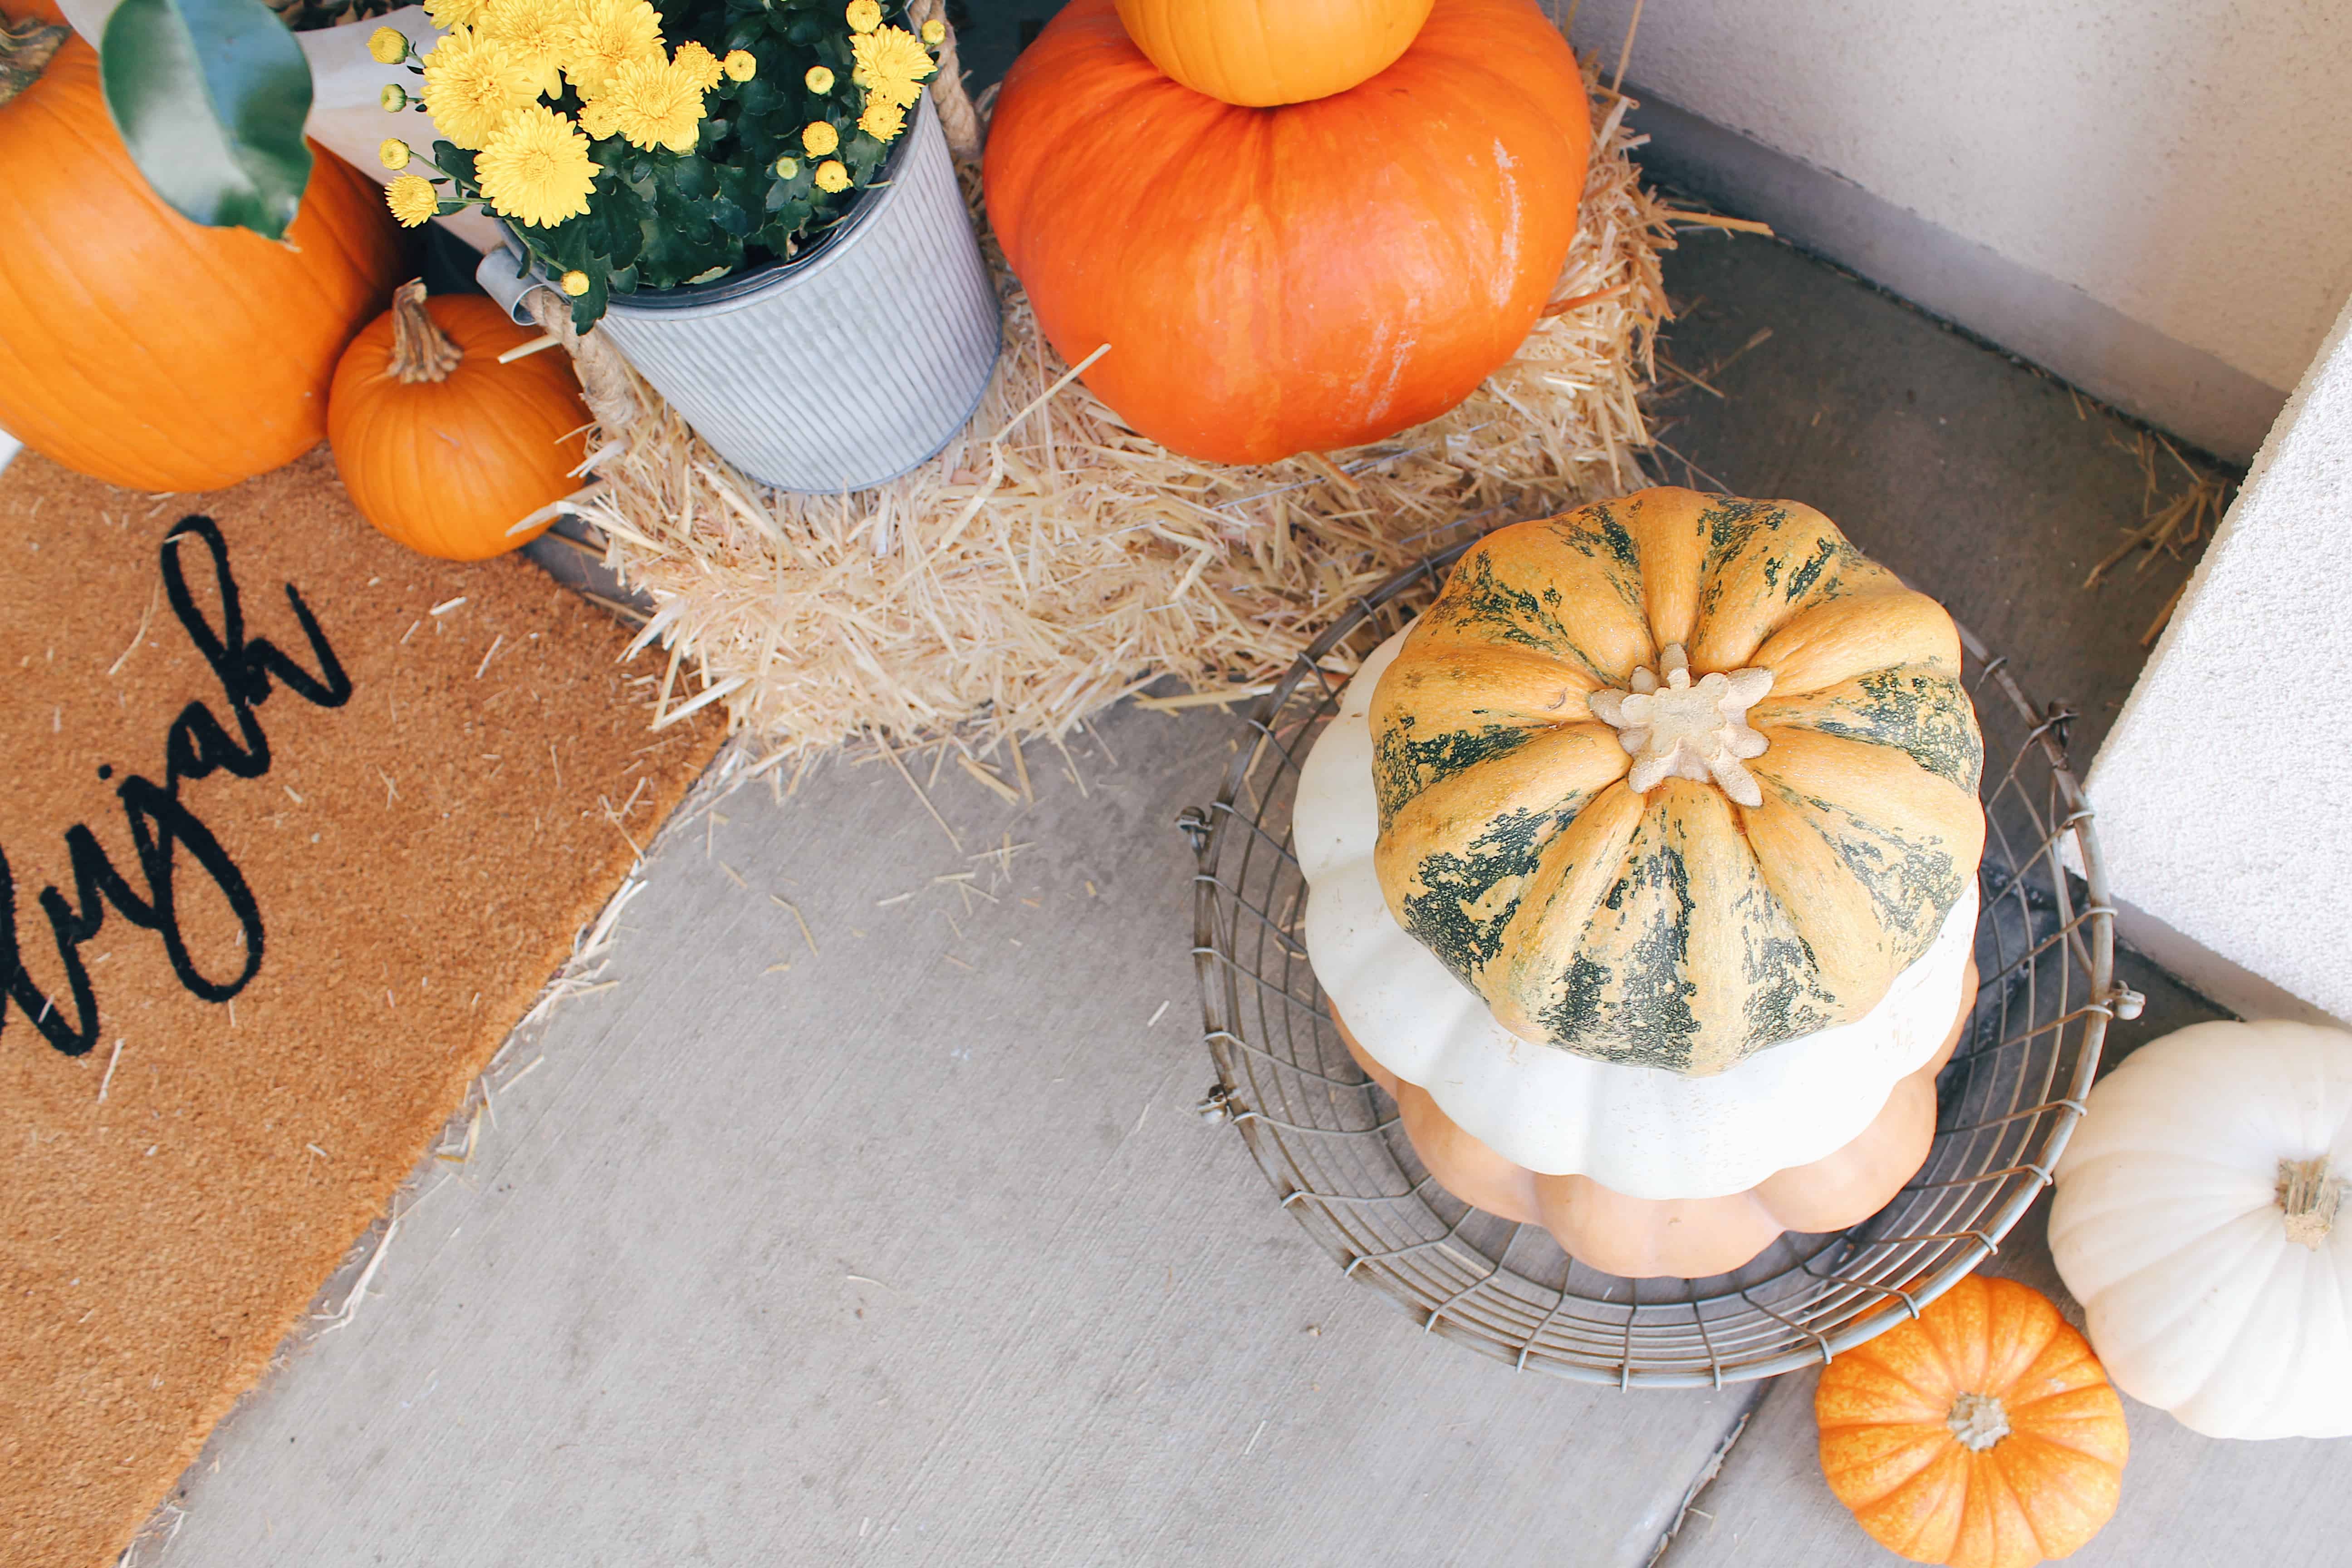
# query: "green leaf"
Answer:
x=210 y=97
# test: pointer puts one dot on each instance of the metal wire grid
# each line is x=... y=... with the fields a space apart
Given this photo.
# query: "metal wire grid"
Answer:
x=1329 y=1140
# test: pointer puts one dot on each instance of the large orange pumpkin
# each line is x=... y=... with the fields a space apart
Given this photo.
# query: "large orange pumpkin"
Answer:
x=1264 y=52
x=440 y=446
x=151 y=351
x=1279 y=280
x=1983 y=1434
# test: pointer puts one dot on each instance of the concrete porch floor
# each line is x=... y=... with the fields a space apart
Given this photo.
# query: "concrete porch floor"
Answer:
x=898 y=1241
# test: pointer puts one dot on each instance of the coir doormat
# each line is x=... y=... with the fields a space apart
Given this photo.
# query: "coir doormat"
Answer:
x=297 y=825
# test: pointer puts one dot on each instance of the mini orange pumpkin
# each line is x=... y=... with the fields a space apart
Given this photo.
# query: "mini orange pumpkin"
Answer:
x=1259 y=53
x=1983 y=1434
x=443 y=448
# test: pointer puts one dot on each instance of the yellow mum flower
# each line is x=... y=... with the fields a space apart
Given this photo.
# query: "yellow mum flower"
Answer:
x=698 y=63
x=864 y=15
x=388 y=45
x=935 y=32
x=601 y=118
x=787 y=167
x=535 y=32
x=655 y=104
x=391 y=100
x=891 y=64
x=536 y=168
x=471 y=85
x=832 y=176
x=605 y=36
x=412 y=199
x=883 y=119
x=819 y=80
x=575 y=284
x=739 y=65
x=393 y=152
x=818 y=137
x=453 y=13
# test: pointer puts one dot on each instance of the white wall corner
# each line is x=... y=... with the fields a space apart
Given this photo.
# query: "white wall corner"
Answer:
x=2224 y=791
x=2122 y=362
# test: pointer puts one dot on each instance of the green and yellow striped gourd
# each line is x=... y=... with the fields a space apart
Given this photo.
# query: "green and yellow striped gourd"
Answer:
x=1670 y=779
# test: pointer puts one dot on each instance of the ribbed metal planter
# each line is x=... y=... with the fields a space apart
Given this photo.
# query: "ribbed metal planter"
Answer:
x=842 y=368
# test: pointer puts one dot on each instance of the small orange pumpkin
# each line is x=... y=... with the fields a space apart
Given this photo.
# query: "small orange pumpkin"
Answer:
x=441 y=447
x=1983 y=1434
x=150 y=351
x=1259 y=53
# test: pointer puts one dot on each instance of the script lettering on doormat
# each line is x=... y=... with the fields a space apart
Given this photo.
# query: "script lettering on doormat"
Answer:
x=162 y=827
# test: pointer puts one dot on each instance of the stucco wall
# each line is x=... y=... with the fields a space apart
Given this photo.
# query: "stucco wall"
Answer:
x=2188 y=163
x=2224 y=791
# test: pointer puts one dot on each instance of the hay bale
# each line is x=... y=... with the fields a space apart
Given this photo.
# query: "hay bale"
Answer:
x=1051 y=561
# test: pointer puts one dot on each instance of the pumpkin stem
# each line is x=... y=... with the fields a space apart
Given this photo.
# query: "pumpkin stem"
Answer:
x=421 y=351
x=2309 y=1195
x=25 y=50
x=1977 y=1420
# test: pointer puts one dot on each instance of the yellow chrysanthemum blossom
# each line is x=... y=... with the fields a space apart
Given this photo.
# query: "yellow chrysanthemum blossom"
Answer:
x=786 y=168
x=739 y=65
x=699 y=65
x=393 y=152
x=883 y=119
x=605 y=36
x=453 y=13
x=863 y=16
x=832 y=176
x=655 y=104
x=935 y=32
x=412 y=199
x=818 y=137
x=892 y=64
x=575 y=284
x=393 y=99
x=599 y=118
x=535 y=32
x=388 y=45
x=819 y=80
x=536 y=169
x=472 y=84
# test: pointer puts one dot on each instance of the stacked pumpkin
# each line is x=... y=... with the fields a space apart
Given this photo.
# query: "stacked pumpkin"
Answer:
x=1642 y=876
x=1297 y=226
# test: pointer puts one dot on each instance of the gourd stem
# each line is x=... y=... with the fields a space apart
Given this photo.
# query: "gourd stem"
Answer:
x=421 y=351
x=2309 y=1195
x=1977 y=1420
x=25 y=49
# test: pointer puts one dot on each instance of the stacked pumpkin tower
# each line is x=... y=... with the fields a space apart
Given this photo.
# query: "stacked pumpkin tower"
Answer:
x=1263 y=229
x=1643 y=874
x=1643 y=867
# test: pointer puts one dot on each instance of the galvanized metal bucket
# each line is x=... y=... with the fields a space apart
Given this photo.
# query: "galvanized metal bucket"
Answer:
x=842 y=368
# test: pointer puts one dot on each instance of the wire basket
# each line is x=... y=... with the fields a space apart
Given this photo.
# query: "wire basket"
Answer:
x=1330 y=1142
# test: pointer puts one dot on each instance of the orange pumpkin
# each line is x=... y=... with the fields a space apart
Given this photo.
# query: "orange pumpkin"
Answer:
x=441 y=447
x=1685 y=1239
x=1279 y=280
x=150 y=351
x=1983 y=1434
x=1264 y=52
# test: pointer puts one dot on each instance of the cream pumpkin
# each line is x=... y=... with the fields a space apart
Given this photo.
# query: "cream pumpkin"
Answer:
x=1673 y=779
x=2197 y=1220
x=1642 y=1133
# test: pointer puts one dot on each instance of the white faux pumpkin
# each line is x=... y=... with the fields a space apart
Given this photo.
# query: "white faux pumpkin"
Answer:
x=2196 y=1220
x=1643 y=1133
